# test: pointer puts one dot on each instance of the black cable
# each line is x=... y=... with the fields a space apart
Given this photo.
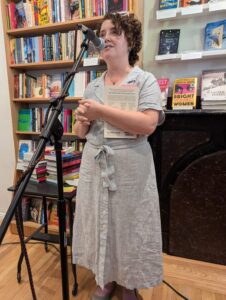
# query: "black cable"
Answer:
x=178 y=293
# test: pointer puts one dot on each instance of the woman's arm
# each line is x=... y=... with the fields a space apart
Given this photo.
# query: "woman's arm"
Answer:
x=134 y=122
x=80 y=129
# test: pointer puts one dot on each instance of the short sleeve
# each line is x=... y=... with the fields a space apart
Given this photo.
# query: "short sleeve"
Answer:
x=150 y=96
x=88 y=91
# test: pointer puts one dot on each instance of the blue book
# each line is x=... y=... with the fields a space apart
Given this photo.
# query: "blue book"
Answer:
x=71 y=91
x=215 y=35
x=167 y=4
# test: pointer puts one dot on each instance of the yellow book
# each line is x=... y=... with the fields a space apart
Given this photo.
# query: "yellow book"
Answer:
x=184 y=93
x=43 y=12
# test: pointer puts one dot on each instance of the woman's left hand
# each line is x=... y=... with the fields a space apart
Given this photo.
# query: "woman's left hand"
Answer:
x=93 y=110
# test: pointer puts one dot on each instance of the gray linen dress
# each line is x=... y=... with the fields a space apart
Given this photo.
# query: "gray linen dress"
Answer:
x=117 y=230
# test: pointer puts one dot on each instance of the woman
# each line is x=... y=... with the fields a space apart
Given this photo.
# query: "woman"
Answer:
x=117 y=232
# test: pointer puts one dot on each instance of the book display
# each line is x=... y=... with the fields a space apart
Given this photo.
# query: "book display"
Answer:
x=41 y=42
x=176 y=46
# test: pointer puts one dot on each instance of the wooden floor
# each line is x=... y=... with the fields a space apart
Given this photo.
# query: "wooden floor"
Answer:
x=196 y=280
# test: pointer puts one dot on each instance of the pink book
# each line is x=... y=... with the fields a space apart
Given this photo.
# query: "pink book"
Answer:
x=12 y=17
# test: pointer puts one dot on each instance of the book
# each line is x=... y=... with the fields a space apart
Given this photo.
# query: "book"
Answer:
x=215 y=35
x=74 y=9
x=35 y=210
x=43 y=12
x=184 y=93
x=167 y=4
x=114 y=5
x=24 y=119
x=164 y=87
x=123 y=97
x=24 y=147
x=185 y=3
x=213 y=85
x=55 y=85
x=25 y=208
x=21 y=21
x=168 y=41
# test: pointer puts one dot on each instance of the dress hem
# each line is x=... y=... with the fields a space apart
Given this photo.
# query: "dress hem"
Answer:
x=145 y=285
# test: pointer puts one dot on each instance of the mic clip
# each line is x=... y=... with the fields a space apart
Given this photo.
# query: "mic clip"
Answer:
x=82 y=27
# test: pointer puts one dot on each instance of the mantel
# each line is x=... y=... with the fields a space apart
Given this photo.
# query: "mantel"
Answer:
x=190 y=158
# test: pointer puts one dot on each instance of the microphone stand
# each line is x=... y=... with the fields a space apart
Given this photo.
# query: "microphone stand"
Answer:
x=53 y=129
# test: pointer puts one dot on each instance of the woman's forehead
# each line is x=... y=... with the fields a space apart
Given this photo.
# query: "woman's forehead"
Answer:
x=107 y=24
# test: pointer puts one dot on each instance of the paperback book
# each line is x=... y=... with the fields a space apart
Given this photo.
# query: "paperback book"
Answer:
x=184 y=93
x=74 y=8
x=115 y=5
x=185 y=3
x=167 y=4
x=164 y=87
x=213 y=86
x=168 y=41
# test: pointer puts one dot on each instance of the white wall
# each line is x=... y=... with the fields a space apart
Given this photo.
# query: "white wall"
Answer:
x=7 y=160
x=191 y=38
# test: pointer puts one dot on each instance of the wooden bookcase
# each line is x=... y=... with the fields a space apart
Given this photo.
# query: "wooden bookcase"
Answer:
x=17 y=103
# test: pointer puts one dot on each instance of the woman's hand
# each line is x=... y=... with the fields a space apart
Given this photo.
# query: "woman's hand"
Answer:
x=79 y=115
x=90 y=109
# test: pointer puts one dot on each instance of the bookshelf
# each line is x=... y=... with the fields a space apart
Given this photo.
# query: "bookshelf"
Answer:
x=195 y=10
x=191 y=55
x=191 y=58
x=62 y=65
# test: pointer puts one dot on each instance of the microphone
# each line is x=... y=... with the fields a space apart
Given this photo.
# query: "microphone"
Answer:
x=97 y=42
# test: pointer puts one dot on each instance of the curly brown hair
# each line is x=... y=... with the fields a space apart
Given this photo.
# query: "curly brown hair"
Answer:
x=133 y=32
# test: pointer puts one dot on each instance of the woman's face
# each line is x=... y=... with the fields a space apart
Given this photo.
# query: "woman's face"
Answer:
x=116 y=46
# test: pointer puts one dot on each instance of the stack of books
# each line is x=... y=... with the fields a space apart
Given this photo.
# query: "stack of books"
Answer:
x=40 y=172
x=70 y=164
x=213 y=89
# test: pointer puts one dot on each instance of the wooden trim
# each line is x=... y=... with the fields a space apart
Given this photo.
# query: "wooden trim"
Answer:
x=53 y=27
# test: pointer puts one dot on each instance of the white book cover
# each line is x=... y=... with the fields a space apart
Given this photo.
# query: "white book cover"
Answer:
x=122 y=97
x=213 y=85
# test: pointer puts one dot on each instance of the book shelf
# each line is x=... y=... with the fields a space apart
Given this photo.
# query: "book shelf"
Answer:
x=135 y=6
x=195 y=10
x=195 y=55
x=191 y=59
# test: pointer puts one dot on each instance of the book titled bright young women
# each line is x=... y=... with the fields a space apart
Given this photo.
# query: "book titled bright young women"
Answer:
x=184 y=93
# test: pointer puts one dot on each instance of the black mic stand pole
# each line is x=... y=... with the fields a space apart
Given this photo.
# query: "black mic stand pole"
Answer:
x=53 y=128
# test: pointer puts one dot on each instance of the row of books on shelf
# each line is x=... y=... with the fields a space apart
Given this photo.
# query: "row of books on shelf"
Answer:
x=46 y=47
x=170 y=4
x=214 y=38
x=185 y=91
x=32 y=119
x=50 y=85
x=49 y=47
x=29 y=13
x=33 y=210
